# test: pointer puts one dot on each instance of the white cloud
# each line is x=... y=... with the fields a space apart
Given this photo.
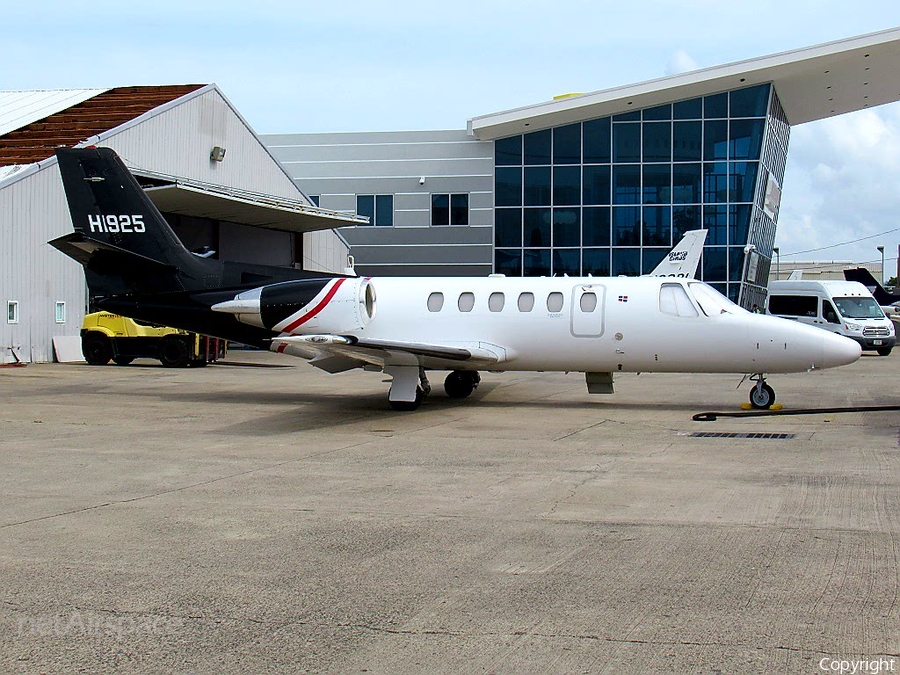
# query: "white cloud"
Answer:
x=680 y=62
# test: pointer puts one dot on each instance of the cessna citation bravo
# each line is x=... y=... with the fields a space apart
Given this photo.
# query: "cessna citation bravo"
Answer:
x=136 y=266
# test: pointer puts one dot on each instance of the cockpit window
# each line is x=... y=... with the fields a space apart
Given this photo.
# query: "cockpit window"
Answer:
x=674 y=300
x=712 y=302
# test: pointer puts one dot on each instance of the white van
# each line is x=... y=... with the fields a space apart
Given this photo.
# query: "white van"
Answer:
x=843 y=307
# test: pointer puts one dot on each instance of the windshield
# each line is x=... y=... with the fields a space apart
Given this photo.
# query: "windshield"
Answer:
x=859 y=308
x=712 y=302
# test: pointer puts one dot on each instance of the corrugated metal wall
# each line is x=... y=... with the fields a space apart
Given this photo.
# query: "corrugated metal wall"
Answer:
x=176 y=141
x=337 y=167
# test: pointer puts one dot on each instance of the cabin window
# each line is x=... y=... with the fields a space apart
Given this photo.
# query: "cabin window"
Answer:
x=12 y=311
x=828 y=312
x=526 y=302
x=555 y=302
x=435 y=302
x=60 y=312
x=496 y=301
x=466 y=302
x=588 y=302
x=674 y=300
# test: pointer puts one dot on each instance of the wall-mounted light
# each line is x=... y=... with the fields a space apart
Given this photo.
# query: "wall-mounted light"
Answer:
x=422 y=180
x=217 y=154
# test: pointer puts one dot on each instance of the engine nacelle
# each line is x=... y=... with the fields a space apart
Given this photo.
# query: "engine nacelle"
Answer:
x=335 y=306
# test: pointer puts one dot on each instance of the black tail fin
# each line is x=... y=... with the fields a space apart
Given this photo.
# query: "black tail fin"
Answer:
x=121 y=238
x=864 y=276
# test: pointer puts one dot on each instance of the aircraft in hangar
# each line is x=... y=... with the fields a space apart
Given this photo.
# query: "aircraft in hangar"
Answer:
x=136 y=266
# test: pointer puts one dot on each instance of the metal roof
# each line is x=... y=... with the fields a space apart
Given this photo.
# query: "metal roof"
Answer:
x=812 y=83
x=67 y=126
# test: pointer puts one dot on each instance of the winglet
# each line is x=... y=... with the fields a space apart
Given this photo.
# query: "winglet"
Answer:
x=682 y=261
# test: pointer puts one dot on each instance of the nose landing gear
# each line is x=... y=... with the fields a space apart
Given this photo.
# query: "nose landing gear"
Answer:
x=762 y=396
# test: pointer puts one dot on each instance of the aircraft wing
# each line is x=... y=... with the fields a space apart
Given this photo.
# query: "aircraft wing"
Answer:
x=337 y=353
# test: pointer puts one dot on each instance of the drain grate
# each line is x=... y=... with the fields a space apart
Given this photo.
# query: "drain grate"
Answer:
x=752 y=434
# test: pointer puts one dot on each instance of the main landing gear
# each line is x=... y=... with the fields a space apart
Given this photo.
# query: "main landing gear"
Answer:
x=410 y=386
x=762 y=396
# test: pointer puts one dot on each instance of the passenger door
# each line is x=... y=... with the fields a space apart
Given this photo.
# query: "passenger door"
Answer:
x=588 y=308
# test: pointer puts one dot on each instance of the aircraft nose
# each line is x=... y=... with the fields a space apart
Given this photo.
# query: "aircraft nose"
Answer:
x=839 y=351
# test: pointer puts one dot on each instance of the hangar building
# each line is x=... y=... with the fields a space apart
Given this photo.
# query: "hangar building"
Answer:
x=200 y=162
x=600 y=183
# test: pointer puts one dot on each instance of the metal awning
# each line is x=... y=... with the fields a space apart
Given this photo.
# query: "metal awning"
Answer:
x=217 y=202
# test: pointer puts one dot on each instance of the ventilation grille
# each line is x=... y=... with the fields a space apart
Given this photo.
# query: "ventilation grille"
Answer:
x=726 y=434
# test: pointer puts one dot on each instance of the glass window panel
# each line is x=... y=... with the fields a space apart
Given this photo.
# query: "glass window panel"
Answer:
x=657 y=226
x=595 y=261
x=537 y=147
x=634 y=116
x=735 y=263
x=566 y=185
x=715 y=140
x=314 y=199
x=508 y=186
x=459 y=209
x=12 y=311
x=626 y=226
x=537 y=262
x=661 y=112
x=526 y=302
x=566 y=261
x=626 y=142
x=440 y=209
x=466 y=302
x=687 y=141
x=508 y=262
x=683 y=219
x=746 y=138
x=508 y=151
x=555 y=302
x=537 y=227
x=626 y=184
x=657 y=142
x=496 y=301
x=651 y=257
x=714 y=264
x=691 y=109
x=567 y=144
x=739 y=224
x=657 y=184
x=686 y=183
x=597 y=141
x=626 y=261
x=743 y=181
x=435 y=302
x=508 y=228
x=595 y=226
x=750 y=102
x=60 y=312
x=365 y=206
x=715 y=106
x=673 y=299
x=596 y=184
x=537 y=186
x=588 y=302
x=715 y=183
x=715 y=219
x=566 y=227
x=384 y=210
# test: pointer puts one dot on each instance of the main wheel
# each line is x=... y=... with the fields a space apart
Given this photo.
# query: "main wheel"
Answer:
x=96 y=348
x=884 y=351
x=123 y=360
x=762 y=397
x=460 y=383
x=174 y=352
x=409 y=406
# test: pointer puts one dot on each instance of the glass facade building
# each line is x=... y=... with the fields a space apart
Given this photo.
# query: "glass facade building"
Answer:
x=610 y=196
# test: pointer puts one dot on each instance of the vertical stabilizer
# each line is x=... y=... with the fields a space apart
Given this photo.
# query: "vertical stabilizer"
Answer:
x=682 y=261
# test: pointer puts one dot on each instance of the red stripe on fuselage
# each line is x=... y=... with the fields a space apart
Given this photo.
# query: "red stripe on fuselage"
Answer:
x=315 y=310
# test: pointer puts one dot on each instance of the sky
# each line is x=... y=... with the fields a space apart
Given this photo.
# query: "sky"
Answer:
x=293 y=67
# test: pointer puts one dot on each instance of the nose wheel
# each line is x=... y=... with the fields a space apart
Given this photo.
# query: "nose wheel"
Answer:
x=762 y=396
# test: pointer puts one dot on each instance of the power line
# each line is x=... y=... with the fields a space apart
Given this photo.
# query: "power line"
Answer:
x=852 y=241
